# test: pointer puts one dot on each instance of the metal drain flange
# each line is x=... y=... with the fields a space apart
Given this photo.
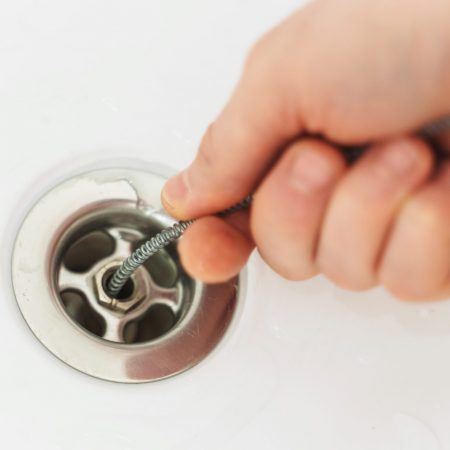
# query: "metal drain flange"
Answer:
x=71 y=242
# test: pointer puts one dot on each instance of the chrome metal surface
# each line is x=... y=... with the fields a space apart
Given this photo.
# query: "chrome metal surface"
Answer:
x=69 y=245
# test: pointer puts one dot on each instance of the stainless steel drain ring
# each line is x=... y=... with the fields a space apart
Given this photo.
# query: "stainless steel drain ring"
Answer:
x=122 y=202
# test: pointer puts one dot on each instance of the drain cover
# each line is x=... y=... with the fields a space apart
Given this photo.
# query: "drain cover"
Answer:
x=162 y=323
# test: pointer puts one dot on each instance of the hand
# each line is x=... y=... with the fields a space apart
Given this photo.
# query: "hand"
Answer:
x=353 y=72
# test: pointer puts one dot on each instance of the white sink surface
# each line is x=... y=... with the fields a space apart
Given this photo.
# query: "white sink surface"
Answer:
x=305 y=366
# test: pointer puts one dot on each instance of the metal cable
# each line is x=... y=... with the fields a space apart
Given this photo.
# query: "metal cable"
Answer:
x=168 y=235
x=156 y=243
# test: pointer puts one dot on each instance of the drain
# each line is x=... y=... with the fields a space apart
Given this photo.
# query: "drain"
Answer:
x=89 y=253
x=161 y=323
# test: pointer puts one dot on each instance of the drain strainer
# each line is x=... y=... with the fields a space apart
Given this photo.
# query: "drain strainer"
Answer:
x=162 y=323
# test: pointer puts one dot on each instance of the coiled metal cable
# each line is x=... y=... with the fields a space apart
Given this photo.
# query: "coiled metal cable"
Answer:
x=154 y=244
x=168 y=235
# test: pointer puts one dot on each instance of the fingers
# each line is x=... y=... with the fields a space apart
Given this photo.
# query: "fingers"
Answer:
x=288 y=207
x=416 y=263
x=286 y=216
x=383 y=221
x=363 y=208
x=214 y=250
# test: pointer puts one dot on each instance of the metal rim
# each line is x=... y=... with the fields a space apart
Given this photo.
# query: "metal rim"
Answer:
x=35 y=254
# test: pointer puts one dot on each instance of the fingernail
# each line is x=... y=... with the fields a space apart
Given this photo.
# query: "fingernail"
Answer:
x=175 y=191
x=401 y=158
x=311 y=171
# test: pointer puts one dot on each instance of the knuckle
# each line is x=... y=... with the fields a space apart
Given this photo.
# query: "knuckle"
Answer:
x=331 y=155
x=340 y=274
x=298 y=273
x=288 y=254
x=394 y=283
x=292 y=272
x=398 y=281
x=428 y=215
x=349 y=283
x=283 y=257
x=405 y=291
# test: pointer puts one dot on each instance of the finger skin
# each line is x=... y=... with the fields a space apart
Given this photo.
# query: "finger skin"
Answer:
x=353 y=71
x=289 y=206
x=364 y=206
x=214 y=250
x=416 y=263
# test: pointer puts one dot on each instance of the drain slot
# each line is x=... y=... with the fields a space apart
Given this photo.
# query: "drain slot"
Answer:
x=88 y=250
x=157 y=321
x=79 y=310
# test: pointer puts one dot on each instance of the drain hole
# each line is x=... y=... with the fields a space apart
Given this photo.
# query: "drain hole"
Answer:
x=158 y=320
x=88 y=250
x=79 y=310
x=125 y=293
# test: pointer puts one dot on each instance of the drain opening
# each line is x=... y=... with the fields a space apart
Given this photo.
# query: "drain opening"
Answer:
x=125 y=293
x=88 y=250
x=150 y=304
x=156 y=322
x=79 y=310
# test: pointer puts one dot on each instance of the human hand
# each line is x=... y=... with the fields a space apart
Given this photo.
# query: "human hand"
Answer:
x=352 y=72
